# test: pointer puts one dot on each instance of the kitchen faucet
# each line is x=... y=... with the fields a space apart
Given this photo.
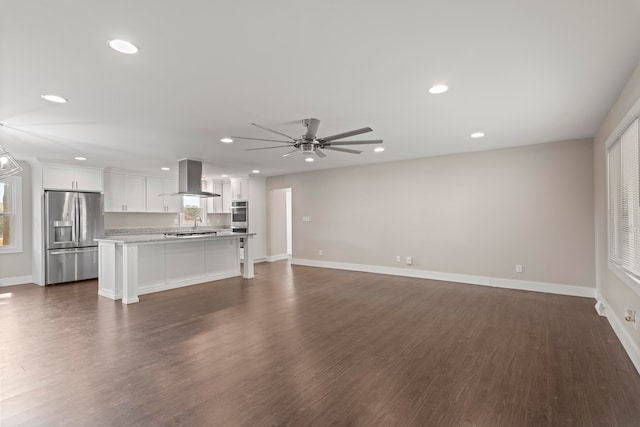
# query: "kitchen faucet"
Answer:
x=195 y=221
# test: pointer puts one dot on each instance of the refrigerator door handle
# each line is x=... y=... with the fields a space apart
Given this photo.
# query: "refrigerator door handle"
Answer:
x=73 y=251
x=78 y=224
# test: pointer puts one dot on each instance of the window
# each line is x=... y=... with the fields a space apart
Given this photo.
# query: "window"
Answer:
x=624 y=201
x=11 y=215
x=192 y=210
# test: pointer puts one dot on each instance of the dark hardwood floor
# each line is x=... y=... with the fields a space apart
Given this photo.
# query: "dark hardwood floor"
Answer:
x=302 y=346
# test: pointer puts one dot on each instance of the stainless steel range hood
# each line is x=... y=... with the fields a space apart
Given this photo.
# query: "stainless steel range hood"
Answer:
x=190 y=179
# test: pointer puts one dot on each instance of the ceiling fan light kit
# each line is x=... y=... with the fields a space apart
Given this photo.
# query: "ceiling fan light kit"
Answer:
x=310 y=144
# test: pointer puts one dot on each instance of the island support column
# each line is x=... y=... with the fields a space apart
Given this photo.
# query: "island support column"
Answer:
x=108 y=280
x=130 y=274
x=248 y=259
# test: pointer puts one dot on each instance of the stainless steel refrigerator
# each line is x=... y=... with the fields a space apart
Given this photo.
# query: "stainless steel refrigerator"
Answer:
x=72 y=221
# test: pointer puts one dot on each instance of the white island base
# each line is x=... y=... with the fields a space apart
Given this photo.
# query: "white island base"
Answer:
x=130 y=266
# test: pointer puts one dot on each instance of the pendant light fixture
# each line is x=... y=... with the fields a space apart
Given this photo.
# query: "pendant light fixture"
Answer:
x=8 y=165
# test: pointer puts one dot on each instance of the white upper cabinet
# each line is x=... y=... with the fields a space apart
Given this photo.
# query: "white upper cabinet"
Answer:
x=214 y=204
x=63 y=177
x=159 y=197
x=226 y=197
x=220 y=204
x=239 y=189
x=155 y=195
x=124 y=193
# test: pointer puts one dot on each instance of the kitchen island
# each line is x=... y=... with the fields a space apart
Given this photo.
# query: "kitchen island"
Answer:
x=133 y=265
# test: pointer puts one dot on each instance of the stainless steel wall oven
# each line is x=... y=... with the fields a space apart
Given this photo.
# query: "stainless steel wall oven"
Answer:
x=240 y=217
x=239 y=213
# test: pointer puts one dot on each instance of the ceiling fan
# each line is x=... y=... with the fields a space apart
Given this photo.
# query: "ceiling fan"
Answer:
x=310 y=144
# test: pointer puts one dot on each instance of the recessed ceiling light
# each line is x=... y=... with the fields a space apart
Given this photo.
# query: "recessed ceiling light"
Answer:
x=226 y=140
x=438 y=89
x=166 y=169
x=80 y=158
x=123 y=46
x=255 y=171
x=54 y=98
x=378 y=149
x=225 y=176
x=309 y=159
x=477 y=135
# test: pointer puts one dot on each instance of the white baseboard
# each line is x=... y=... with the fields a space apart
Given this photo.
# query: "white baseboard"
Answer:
x=621 y=332
x=279 y=257
x=107 y=294
x=164 y=286
x=551 y=288
x=19 y=280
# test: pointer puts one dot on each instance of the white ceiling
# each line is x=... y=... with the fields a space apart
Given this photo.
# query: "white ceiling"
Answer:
x=523 y=72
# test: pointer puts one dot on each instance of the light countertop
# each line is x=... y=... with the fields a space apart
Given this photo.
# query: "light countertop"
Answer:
x=161 y=238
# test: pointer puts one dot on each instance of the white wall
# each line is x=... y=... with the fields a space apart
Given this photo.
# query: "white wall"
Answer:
x=16 y=268
x=474 y=214
x=277 y=215
x=617 y=294
x=289 y=222
x=258 y=216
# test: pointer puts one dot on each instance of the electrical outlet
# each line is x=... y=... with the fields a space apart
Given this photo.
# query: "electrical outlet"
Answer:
x=518 y=268
x=631 y=316
x=320 y=252
x=409 y=260
x=306 y=219
x=398 y=258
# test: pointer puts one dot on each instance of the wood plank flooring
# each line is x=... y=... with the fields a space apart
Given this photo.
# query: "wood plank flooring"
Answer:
x=302 y=346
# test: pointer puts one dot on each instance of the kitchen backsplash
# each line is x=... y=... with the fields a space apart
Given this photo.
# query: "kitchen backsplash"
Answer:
x=117 y=220
x=133 y=220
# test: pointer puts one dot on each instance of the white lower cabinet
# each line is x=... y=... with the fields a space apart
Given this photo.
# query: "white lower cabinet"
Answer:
x=176 y=264
x=151 y=267
x=139 y=265
x=185 y=262
x=219 y=261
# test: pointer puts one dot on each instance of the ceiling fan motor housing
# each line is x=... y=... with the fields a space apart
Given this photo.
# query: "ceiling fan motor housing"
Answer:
x=307 y=148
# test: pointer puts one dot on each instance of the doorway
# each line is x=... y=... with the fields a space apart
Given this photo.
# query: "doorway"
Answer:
x=280 y=224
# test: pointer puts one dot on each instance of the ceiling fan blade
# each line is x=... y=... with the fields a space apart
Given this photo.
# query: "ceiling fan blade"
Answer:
x=290 y=153
x=344 y=150
x=312 y=128
x=274 y=131
x=266 y=148
x=368 y=141
x=320 y=154
x=345 y=134
x=261 y=139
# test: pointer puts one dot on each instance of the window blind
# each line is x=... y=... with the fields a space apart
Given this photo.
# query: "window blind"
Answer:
x=624 y=200
x=614 y=201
